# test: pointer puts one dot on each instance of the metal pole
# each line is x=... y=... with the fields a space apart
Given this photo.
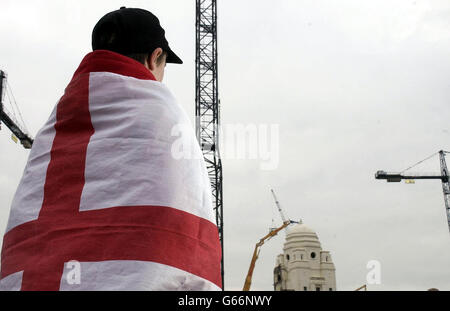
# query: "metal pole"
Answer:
x=207 y=104
x=445 y=185
x=2 y=77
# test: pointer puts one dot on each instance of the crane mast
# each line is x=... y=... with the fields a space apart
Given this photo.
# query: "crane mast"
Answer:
x=207 y=104
x=9 y=121
x=445 y=185
x=443 y=176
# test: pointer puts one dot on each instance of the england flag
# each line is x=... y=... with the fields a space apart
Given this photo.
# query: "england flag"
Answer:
x=103 y=203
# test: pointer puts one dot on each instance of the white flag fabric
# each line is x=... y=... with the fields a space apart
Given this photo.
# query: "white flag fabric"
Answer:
x=106 y=202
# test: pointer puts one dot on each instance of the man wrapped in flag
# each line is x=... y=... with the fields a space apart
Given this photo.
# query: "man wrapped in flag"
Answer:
x=103 y=203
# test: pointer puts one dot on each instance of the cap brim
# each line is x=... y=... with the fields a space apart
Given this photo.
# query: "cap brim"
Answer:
x=173 y=58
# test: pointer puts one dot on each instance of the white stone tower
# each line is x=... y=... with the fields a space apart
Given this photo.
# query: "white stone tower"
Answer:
x=304 y=266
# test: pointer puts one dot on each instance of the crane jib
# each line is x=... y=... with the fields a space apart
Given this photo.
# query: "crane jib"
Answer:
x=443 y=176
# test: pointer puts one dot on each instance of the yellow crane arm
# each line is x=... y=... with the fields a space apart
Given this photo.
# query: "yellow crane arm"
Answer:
x=248 y=279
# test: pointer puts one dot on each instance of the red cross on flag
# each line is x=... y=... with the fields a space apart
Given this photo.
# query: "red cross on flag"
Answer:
x=102 y=189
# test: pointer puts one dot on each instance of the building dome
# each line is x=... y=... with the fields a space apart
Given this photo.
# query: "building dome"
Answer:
x=300 y=235
x=304 y=265
x=299 y=228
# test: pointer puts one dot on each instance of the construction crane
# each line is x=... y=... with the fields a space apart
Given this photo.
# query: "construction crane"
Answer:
x=443 y=176
x=207 y=104
x=283 y=218
x=8 y=119
x=272 y=233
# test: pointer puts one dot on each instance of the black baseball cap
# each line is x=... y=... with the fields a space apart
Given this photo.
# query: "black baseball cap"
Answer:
x=131 y=30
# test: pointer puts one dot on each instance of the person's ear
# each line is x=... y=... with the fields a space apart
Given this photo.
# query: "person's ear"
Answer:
x=153 y=57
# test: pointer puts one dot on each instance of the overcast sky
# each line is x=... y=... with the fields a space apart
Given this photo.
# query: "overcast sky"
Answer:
x=354 y=87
